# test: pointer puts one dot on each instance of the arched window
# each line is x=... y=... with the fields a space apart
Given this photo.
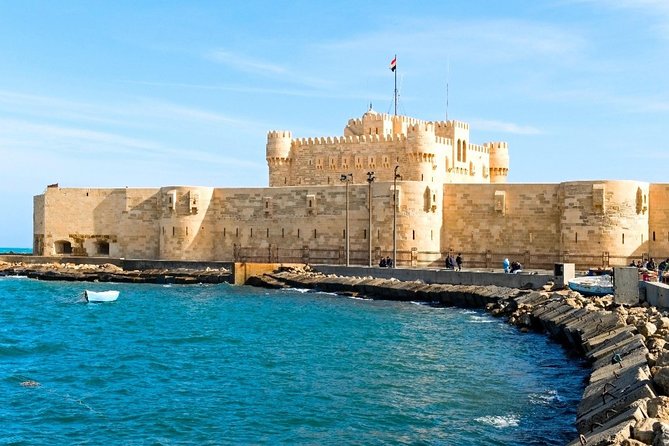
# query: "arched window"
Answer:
x=464 y=151
x=459 y=150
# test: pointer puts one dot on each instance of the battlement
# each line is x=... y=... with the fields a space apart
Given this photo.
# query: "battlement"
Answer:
x=332 y=140
x=497 y=145
x=383 y=117
x=274 y=134
x=422 y=127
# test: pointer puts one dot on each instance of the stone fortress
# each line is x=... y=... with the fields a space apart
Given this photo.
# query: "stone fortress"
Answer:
x=451 y=196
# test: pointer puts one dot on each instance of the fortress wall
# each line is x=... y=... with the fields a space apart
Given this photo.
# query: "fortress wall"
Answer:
x=312 y=162
x=81 y=216
x=38 y=224
x=138 y=223
x=262 y=220
x=659 y=221
x=187 y=224
x=605 y=219
x=316 y=163
x=502 y=218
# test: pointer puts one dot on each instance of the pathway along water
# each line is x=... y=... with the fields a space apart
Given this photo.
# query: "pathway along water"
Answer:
x=241 y=365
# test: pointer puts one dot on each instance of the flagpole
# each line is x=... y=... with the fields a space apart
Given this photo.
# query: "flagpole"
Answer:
x=395 y=71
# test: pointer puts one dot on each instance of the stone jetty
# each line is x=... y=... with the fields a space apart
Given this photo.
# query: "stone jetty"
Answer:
x=111 y=273
x=626 y=399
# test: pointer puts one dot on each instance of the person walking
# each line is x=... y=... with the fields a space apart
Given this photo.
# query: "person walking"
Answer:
x=458 y=261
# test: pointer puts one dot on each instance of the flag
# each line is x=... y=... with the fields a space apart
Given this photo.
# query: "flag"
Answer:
x=393 y=64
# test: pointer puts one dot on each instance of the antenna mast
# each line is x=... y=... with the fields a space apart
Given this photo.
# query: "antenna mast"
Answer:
x=448 y=76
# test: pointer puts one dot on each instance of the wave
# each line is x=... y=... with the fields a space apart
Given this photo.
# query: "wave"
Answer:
x=12 y=277
x=546 y=398
x=499 y=422
x=481 y=320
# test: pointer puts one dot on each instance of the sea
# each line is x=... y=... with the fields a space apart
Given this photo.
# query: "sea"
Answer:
x=222 y=364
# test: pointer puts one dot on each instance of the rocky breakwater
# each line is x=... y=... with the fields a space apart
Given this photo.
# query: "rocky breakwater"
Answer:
x=626 y=399
x=112 y=273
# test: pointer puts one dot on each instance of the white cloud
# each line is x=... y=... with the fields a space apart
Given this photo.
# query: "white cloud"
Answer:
x=244 y=63
x=267 y=69
x=38 y=138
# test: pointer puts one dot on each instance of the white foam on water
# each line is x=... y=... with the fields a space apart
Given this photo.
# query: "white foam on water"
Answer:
x=355 y=297
x=12 y=277
x=299 y=290
x=480 y=320
x=546 y=398
x=499 y=422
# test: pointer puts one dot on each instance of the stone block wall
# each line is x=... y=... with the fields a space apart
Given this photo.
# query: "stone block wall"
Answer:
x=504 y=219
x=605 y=217
x=538 y=224
x=658 y=231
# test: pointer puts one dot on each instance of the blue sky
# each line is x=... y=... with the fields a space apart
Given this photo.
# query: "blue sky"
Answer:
x=127 y=93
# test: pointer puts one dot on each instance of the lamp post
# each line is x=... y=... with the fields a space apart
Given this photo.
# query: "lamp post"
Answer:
x=347 y=179
x=370 y=180
x=395 y=178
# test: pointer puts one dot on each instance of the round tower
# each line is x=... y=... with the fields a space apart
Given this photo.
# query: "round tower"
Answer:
x=278 y=157
x=499 y=162
x=421 y=141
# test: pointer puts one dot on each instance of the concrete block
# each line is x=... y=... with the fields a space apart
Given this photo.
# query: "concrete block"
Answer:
x=623 y=349
x=637 y=358
x=626 y=285
x=564 y=272
x=657 y=294
x=605 y=411
x=603 y=340
x=610 y=436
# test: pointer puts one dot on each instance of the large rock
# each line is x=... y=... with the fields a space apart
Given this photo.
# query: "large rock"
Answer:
x=648 y=329
x=661 y=379
x=643 y=430
x=662 y=359
x=661 y=434
x=659 y=408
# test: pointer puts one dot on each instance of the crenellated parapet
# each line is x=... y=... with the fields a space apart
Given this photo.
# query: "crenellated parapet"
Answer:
x=342 y=140
x=421 y=138
x=499 y=161
x=278 y=144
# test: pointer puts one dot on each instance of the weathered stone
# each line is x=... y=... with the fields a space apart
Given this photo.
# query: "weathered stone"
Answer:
x=661 y=434
x=613 y=435
x=647 y=329
x=662 y=359
x=663 y=322
x=643 y=430
x=632 y=442
x=655 y=343
x=659 y=407
x=661 y=379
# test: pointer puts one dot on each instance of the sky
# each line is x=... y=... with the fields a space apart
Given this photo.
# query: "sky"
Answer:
x=159 y=93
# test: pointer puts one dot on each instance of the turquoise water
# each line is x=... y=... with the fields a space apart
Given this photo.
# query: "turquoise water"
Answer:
x=237 y=365
x=16 y=250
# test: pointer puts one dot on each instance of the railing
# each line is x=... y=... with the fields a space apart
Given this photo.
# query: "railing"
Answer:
x=414 y=258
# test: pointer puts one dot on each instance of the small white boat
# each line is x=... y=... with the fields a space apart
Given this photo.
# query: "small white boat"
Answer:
x=592 y=285
x=101 y=296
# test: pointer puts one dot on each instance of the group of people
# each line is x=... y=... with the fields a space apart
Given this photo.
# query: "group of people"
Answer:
x=649 y=265
x=454 y=263
x=512 y=267
x=386 y=262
